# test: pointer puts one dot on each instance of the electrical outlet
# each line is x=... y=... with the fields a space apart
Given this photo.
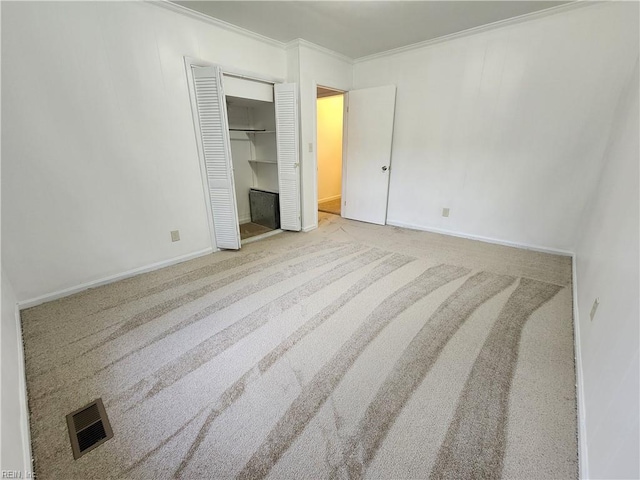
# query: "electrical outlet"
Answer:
x=594 y=308
x=445 y=212
x=175 y=235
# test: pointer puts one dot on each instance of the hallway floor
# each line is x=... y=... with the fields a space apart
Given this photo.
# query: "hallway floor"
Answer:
x=331 y=206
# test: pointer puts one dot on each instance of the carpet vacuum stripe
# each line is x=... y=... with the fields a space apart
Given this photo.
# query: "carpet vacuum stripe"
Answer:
x=243 y=293
x=475 y=442
x=169 y=306
x=416 y=361
x=316 y=392
x=236 y=261
x=217 y=343
x=156 y=311
x=235 y=391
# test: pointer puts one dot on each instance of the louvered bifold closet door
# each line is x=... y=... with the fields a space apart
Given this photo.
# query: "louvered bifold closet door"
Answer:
x=286 y=99
x=214 y=133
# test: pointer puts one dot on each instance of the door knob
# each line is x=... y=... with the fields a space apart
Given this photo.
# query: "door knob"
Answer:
x=385 y=168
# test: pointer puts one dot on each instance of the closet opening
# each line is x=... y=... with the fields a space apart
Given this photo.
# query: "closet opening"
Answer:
x=247 y=138
x=329 y=124
x=252 y=134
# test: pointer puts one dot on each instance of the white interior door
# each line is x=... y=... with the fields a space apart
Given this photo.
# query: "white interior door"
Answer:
x=215 y=149
x=286 y=105
x=369 y=130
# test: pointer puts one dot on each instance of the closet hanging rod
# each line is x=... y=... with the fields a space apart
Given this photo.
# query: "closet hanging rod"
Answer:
x=249 y=130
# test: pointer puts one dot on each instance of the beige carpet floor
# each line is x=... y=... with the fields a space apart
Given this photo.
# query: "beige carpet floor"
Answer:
x=353 y=351
x=331 y=206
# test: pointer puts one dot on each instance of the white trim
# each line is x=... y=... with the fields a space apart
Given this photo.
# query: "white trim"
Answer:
x=24 y=406
x=583 y=451
x=345 y=150
x=315 y=143
x=314 y=158
x=110 y=279
x=248 y=75
x=215 y=21
x=234 y=72
x=345 y=104
x=480 y=238
x=293 y=44
x=301 y=42
x=328 y=199
x=481 y=28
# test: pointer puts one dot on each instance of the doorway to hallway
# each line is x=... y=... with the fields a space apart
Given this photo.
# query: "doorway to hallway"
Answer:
x=330 y=114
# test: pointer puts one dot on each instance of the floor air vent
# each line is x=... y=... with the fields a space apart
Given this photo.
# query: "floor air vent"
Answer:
x=88 y=428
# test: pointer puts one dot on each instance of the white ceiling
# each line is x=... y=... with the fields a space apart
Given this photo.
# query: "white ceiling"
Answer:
x=361 y=28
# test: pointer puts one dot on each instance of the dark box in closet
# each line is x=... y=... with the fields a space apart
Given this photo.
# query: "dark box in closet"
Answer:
x=265 y=208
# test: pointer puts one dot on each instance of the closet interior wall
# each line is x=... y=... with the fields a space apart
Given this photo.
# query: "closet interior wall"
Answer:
x=253 y=149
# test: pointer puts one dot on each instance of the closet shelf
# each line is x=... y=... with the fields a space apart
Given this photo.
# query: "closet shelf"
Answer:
x=248 y=130
x=263 y=161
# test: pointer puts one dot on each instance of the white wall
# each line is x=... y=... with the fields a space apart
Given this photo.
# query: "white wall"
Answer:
x=240 y=155
x=315 y=66
x=506 y=127
x=265 y=174
x=99 y=159
x=607 y=268
x=14 y=452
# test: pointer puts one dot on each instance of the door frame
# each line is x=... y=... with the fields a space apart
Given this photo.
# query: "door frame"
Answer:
x=230 y=71
x=345 y=96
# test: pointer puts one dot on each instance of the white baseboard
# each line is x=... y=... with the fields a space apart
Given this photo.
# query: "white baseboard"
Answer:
x=583 y=452
x=110 y=279
x=243 y=220
x=309 y=228
x=496 y=241
x=24 y=406
x=328 y=199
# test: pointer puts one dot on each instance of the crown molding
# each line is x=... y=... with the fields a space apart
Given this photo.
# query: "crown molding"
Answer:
x=174 y=7
x=292 y=44
x=576 y=4
x=301 y=42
